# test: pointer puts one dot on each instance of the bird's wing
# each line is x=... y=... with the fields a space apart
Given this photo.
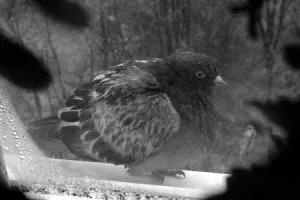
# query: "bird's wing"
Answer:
x=121 y=116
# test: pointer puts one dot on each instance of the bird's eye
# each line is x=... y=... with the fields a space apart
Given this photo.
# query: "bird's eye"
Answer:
x=200 y=74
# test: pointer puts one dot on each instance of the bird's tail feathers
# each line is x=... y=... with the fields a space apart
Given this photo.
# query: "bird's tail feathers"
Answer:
x=45 y=122
x=44 y=129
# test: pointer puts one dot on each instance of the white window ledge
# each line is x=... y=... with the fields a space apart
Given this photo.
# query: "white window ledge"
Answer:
x=40 y=170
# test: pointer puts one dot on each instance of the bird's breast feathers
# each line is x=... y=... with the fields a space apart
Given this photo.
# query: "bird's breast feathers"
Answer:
x=120 y=116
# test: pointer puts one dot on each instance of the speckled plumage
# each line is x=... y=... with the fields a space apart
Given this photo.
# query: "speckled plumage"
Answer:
x=121 y=116
x=131 y=113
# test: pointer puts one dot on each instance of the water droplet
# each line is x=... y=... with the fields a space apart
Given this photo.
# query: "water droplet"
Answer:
x=5 y=148
x=22 y=157
x=4 y=137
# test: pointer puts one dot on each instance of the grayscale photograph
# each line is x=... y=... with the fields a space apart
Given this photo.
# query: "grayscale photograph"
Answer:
x=149 y=99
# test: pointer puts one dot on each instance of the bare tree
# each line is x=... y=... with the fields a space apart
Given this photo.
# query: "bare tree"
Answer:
x=174 y=24
x=58 y=67
x=271 y=26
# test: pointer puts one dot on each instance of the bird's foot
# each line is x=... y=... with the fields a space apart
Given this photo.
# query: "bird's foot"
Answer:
x=162 y=173
x=157 y=174
x=135 y=172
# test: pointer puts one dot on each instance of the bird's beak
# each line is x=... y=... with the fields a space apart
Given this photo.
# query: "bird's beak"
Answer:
x=219 y=81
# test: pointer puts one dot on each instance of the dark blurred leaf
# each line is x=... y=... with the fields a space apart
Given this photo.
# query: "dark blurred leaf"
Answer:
x=292 y=55
x=21 y=67
x=67 y=12
x=283 y=113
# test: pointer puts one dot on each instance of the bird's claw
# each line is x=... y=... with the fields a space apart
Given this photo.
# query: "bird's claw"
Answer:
x=133 y=172
x=162 y=173
x=159 y=173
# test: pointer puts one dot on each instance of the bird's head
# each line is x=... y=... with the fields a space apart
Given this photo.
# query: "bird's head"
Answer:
x=188 y=79
x=193 y=74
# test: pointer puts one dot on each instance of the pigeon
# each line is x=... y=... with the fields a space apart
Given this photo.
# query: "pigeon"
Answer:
x=148 y=115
